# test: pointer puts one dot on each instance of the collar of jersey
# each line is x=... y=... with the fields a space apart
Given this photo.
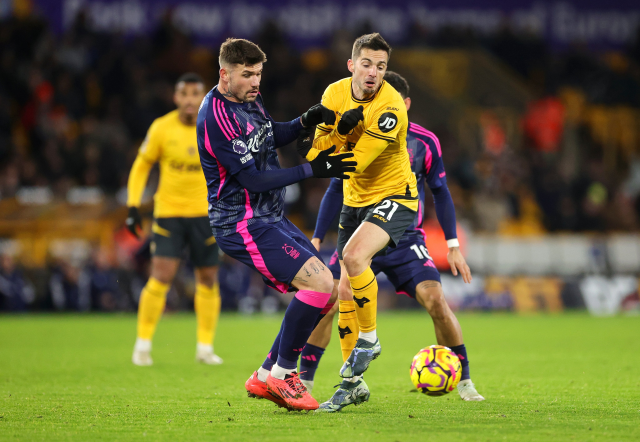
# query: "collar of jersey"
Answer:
x=368 y=100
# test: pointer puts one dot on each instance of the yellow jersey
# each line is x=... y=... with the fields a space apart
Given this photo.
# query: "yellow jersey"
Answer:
x=379 y=144
x=182 y=190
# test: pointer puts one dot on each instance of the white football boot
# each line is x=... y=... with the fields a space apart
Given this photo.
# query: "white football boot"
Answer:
x=468 y=391
x=142 y=353
x=205 y=355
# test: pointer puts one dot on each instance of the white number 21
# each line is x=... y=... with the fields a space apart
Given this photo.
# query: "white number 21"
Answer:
x=384 y=206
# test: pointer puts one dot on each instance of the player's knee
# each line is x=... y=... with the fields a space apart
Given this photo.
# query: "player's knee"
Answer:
x=206 y=278
x=164 y=269
x=354 y=262
x=163 y=277
x=325 y=282
x=432 y=298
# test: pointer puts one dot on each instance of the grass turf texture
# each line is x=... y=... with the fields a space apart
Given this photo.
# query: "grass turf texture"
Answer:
x=567 y=377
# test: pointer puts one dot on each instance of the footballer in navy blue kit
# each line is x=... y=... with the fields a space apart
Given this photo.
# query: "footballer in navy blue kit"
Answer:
x=237 y=142
x=408 y=266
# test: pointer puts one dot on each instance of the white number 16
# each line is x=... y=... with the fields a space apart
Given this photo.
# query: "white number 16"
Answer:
x=421 y=251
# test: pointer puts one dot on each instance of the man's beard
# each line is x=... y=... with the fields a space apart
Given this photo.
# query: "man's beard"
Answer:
x=245 y=98
x=366 y=90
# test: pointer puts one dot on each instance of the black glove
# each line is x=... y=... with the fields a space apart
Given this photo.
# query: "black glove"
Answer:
x=318 y=114
x=305 y=142
x=332 y=166
x=349 y=120
x=134 y=220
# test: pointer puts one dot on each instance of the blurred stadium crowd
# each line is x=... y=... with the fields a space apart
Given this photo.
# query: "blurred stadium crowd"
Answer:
x=74 y=108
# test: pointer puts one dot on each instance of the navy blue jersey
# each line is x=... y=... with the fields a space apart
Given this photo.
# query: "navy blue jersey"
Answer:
x=425 y=155
x=231 y=137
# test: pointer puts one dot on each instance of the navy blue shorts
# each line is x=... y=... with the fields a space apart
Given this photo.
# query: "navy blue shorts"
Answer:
x=406 y=265
x=275 y=250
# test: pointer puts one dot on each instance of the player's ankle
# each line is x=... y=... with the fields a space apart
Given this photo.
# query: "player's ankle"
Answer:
x=371 y=336
x=143 y=344
x=279 y=372
x=204 y=348
x=262 y=374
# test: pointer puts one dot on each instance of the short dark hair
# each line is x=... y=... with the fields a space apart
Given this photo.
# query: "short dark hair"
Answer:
x=398 y=82
x=374 y=41
x=240 y=51
x=190 y=77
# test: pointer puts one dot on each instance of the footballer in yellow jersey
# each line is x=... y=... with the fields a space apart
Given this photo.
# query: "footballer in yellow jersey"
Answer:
x=180 y=220
x=380 y=198
x=182 y=191
x=378 y=143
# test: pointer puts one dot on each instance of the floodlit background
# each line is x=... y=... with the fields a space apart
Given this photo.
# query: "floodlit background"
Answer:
x=536 y=104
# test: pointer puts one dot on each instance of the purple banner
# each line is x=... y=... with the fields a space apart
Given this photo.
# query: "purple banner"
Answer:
x=599 y=24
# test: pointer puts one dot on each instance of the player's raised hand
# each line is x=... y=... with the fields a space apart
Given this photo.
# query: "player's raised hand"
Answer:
x=318 y=114
x=350 y=120
x=458 y=264
x=134 y=221
x=326 y=165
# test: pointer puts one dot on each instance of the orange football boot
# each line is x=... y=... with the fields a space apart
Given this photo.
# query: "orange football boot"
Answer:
x=258 y=389
x=292 y=391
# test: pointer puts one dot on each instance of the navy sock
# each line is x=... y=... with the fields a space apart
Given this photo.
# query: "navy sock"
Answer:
x=299 y=321
x=309 y=360
x=272 y=357
x=461 y=351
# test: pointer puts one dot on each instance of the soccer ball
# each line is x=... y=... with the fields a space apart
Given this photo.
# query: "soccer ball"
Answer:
x=436 y=370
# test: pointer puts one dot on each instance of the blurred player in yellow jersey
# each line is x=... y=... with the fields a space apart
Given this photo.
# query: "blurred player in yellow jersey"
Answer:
x=180 y=220
x=381 y=198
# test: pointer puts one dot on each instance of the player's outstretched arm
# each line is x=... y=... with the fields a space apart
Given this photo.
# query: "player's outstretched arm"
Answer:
x=147 y=156
x=285 y=133
x=324 y=166
x=329 y=208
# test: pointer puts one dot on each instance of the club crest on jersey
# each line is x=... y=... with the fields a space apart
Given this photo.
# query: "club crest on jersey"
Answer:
x=239 y=146
x=387 y=122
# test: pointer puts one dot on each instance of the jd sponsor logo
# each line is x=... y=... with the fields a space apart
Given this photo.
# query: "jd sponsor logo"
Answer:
x=387 y=122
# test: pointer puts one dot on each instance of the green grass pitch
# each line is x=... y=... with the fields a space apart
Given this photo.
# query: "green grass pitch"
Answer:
x=565 y=377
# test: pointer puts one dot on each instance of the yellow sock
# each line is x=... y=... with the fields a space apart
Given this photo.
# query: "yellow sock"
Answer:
x=207 y=304
x=348 y=327
x=365 y=295
x=150 y=308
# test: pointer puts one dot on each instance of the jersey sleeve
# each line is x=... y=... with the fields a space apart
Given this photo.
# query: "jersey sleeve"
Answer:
x=385 y=121
x=223 y=140
x=433 y=165
x=383 y=125
x=151 y=148
x=148 y=154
